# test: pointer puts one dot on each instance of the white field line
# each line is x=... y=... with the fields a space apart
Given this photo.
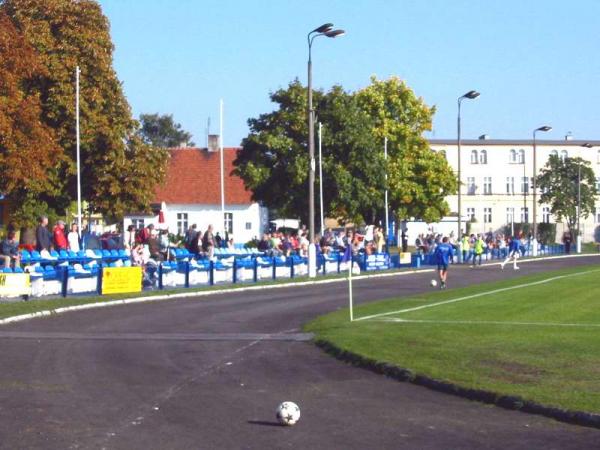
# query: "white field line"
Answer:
x=469 y=297
x=489 y=322
x=104 y=304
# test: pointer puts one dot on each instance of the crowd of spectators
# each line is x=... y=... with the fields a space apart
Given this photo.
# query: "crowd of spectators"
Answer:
x=472 y=246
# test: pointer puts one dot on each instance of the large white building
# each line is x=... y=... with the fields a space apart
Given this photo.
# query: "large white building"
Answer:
x=496 y=180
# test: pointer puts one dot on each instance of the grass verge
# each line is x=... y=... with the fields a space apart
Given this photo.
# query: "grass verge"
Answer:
x=536 y=342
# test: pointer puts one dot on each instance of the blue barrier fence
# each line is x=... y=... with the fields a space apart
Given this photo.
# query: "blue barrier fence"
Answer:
x=72 y=273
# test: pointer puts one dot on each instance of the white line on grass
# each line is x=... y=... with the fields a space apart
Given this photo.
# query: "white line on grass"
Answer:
x=488 y=322
x=481 y=294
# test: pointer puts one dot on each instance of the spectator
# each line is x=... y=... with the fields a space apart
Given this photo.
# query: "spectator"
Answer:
x=218 y=240
x=208 y=242
x=73 y=238
x=60 y=240
x=164 y=243
x=263 y=244
x=190 y=235
x=567 y=239
x=42 y=235
x=129 y=238
x=10 y=250
x=379 y=240
x=154 y=246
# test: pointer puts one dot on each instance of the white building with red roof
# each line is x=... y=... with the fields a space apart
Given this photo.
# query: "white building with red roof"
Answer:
x=192 y=195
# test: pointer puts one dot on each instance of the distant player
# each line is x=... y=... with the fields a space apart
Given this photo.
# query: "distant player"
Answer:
x=443 y=253
x=513 y=253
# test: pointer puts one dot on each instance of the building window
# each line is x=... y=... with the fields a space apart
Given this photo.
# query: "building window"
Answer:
x=471 y=213
x=510 y=185
x=471 y=186
x=137 y=223
x=487 y=215
x=483 y=157
x=524 y=185
x=597 y=214
x=513 y=156
x=510 y=215
x=554 y=153
x=598 y=157
x=598 y=184
x=248 y=225
x=524 y=215
x=521 y=156
x=443 y=153
x=229 y=223
x=546 y=214
x=564 y=154
x=487 y=185
x=182 y=223
x=473 y=156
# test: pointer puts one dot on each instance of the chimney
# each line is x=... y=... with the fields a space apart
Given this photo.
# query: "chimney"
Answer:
x=484 y=137
x=569 y=136
x=213 y=143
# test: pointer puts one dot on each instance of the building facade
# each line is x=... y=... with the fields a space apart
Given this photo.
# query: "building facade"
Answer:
x=191 y=194
x=497 y=176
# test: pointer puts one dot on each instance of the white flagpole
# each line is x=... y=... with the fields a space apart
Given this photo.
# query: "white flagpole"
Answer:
x=387 y=225
x=350 y=300
x=321 y=179
x=222 y=170
x=77 y=71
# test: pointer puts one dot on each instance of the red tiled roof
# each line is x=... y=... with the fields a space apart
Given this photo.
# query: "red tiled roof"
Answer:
x=194 y=177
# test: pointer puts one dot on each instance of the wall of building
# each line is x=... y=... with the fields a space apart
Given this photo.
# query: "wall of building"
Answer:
x=248 y=221
x=495 y=164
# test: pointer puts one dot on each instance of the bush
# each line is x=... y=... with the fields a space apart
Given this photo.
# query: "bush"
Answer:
x=546 y=233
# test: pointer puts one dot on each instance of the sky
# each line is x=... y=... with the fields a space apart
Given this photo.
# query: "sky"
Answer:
x=535 y=62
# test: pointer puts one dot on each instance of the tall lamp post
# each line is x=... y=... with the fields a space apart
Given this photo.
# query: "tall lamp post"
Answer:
x=545 y=129
x=469 y=95
x=327 y=31
x=579 y=239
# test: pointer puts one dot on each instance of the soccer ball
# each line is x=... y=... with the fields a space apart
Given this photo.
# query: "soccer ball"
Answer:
x=288 y=413
x=433 y=283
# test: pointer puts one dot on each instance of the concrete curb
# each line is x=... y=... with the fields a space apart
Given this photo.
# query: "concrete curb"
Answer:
x=504 y=401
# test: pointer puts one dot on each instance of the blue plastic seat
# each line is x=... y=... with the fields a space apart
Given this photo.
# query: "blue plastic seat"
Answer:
x=7 y=270
x=18 y=270
x=114 y=253
x=63 y=255
x=25 y=257
x=35 y=256
x=54 y=254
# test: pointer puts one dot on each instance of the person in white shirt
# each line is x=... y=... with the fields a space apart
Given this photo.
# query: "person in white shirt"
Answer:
x=73 y=238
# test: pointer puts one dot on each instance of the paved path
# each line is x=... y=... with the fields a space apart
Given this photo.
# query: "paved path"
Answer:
x=208 y=374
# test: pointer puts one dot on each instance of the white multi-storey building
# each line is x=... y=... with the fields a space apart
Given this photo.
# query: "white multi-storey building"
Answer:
x=496 y=179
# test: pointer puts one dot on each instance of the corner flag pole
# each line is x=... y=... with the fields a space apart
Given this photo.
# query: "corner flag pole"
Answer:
x=77 y=72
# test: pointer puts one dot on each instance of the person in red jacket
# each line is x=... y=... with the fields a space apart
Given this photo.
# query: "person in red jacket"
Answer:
x=60 y=240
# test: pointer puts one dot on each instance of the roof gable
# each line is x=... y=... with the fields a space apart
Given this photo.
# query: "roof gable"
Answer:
x=194 y=177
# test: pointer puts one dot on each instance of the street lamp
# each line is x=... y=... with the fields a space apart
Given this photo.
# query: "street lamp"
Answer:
x=327 y=31
x=469 y=95
x=544 y=128
x=586 y=145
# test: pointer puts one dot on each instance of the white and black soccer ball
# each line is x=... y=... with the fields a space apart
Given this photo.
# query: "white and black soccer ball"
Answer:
x=433 y=283
x=288 y=413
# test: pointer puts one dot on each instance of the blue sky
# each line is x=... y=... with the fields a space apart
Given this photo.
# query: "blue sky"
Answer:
x=535 y=62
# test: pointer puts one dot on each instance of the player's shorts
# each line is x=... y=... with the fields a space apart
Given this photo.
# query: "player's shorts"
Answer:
x=442 y=266
x=514 y=254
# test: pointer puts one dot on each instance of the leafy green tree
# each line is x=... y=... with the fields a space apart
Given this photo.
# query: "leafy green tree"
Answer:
x=119 y=170
x=162 y=131
x=274 y=158
x=559 y=181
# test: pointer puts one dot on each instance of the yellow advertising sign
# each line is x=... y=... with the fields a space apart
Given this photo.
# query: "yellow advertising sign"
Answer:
x=14 y=284
x=405 y=258
x=121 y=280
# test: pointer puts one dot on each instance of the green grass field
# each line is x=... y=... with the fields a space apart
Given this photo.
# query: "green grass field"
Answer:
x=538 y=341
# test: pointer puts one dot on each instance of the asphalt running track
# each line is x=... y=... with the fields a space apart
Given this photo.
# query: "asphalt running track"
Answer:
x=208 y=373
